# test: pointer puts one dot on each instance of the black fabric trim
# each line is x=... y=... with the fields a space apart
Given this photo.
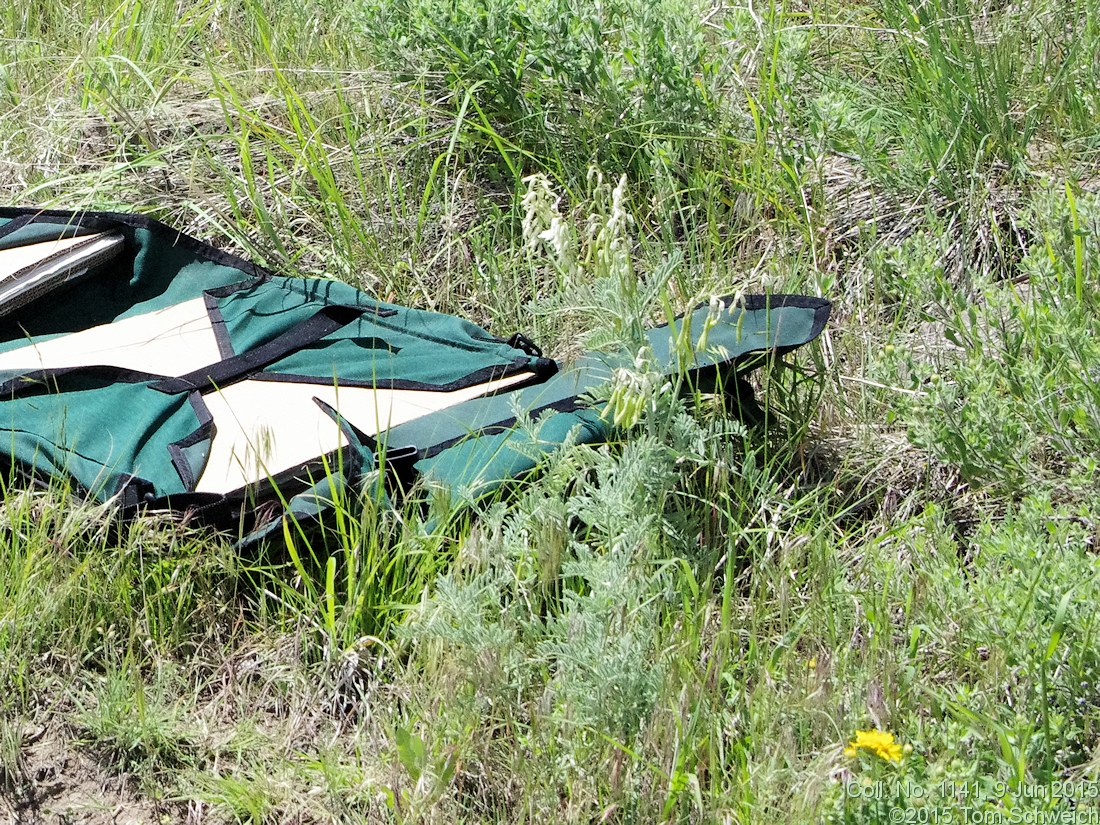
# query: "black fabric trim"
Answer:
x=545 y=367
x=380 y=311
x=205 y=431
x=295 y=480
x=400 y=466
x=101 y=221
x=435 y=339
x=206 y=427
x=134 y=491
x=752 y=303
x=325 y=321
x=352 y=434
x=211 y=509
x=15 y=225
x=524 y=344
x=397 y=462
x=230 y=289
x=217 y=324
x=481 y=376
x=183 y=469
x=38 y=382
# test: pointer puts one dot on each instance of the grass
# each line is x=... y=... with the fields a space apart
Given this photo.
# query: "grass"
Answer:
x=687 y=625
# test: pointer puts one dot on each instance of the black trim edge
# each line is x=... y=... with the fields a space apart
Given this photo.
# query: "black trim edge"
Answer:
x=46 y=380
x=562 y=405
x=217 y=324
x=205 y=431
x=325 y=321
x=103 y=220
x=822 y=308
x=481 y=376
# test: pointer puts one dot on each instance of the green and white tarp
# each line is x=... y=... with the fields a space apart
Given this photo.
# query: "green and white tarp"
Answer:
x=151 y=368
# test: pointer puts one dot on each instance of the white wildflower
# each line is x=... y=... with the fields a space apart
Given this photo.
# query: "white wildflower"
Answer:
x=540 y=207
x=557 y=238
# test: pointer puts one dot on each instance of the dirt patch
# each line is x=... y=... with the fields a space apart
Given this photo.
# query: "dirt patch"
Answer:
x=54 y=781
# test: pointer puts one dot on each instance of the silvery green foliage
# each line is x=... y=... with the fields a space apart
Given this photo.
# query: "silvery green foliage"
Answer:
x=557 y=600
x=624 y=506
x=599 y=647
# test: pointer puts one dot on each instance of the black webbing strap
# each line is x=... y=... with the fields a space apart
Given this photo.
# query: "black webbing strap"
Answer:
x=524 y=344
x=134 y=491
x=223 y=373
x=443 y=427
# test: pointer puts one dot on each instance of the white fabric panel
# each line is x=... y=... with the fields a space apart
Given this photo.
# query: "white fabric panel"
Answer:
x=265 y=428
x=171 y=341
x=30 y=271
x=18 y=259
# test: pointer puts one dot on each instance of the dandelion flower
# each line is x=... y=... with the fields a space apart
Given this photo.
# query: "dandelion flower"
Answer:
x=878 y=742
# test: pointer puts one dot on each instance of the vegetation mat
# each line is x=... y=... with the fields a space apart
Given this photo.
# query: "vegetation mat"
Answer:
x=876 y=605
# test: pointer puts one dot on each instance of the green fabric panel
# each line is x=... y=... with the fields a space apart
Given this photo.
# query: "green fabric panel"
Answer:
x=260 y=313
x=361 y=459
x=98 y=430
x=478 y=466
x=412 y=345
x=151 y=274
x=739 y=333
x=164 y=274
x=40 y=232
x=371 y=354
x=196 y=456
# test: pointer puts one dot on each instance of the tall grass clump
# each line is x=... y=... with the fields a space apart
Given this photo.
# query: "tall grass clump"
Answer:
x=555 y=85
x=963 y=73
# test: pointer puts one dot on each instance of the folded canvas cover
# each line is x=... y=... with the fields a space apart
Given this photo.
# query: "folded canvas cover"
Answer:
x=148 y=366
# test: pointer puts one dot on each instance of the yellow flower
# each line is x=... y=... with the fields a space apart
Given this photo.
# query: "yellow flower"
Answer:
x=879 y=742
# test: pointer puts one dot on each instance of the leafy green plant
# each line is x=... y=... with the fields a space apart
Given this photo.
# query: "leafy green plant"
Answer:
x=1019 y=407
x=556 y=83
